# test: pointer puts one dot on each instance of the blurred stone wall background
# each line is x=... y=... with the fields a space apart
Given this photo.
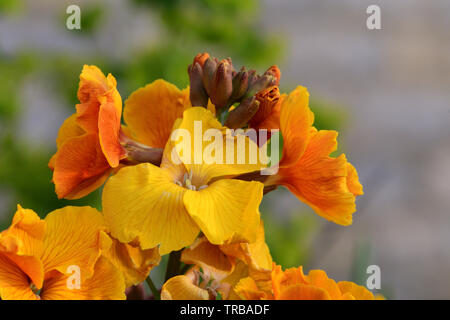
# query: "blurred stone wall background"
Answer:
x=393 y=85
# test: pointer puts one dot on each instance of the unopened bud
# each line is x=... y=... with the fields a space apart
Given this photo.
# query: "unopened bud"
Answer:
x=238 y=118
x=209 y=68
x=275 y=72
x=268 y=99
x=222 y=84
x=197 y=93
x=201 y=58
x=240 y=85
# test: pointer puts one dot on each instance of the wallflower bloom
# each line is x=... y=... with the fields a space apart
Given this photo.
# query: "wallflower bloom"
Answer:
x=329 y=185
x=217 y=269
x=38 y=257
x=88 y=141
x=171 y=204
x=293 y=284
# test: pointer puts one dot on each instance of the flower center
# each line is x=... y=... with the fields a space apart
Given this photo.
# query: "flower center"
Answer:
x=186 y=182
x=206 y=281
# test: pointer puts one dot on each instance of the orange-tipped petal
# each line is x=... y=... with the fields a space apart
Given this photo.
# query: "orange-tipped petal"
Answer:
x=320 y=180
x=296 y=120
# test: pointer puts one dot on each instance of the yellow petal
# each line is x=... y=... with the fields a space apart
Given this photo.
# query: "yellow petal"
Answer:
x=182 y=288
x=22 y=243
x=319 y=278
x=142 y=202
x=207 y=151
x=206 y=255
x=227 y=208
x=105 y=284
x=134 y=263
x=14 y=283
x=248 y=290
x=150 y=112
x=256 y=254
x=72 y=238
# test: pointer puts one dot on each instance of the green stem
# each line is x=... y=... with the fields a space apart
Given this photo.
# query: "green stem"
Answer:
x=173 y=266
x=153 y=288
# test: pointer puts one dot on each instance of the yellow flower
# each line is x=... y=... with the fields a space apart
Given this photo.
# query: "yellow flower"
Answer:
x=39 y=259
x=293 y=284
x=171 y=204
x=329 y=185
x=217 y=269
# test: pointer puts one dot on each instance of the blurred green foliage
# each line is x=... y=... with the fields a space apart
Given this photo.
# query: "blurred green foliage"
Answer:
x=224 y=28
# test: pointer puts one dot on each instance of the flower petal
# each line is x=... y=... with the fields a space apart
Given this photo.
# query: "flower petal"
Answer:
x=79 y=167
x=356 y=291
x=134 y=263
x=296 y=120
x=106 y=283
x=210 y=150
x=143 y=202
x=22 y=243
x=226 y=209
x=72 y=238
x=206 y=255
x=353 y=183
x=303 y=292
x=320 y=180
x=150 y=112
x=14 y=283
x=182 y=288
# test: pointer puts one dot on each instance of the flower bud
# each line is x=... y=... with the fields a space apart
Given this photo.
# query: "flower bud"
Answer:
x=268 y=99
x=239 y=117
x=275 y=72
x=201 y=58
x=240 y=85
x=222 y=84
x=209 y=68
x=197 y=92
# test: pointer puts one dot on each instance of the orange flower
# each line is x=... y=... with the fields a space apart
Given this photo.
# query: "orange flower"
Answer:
x=88 y=141
x=329 y=185
x=39 y=258
x=91 y=143
x=293 y=284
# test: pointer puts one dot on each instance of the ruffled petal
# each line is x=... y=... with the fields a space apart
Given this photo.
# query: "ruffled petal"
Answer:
x=22 y=244
x=303 y=292
x=134 y=263
x=109 y=119
x=356 y=291
x=320 y=180
x=143 y=202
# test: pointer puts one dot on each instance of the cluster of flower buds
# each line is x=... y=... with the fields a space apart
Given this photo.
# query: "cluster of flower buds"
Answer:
x=218 y=81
